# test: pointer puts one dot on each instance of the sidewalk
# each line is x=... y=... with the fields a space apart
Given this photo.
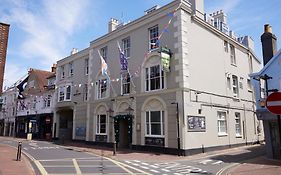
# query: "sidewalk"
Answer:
x=9 y=165
x=257 y=166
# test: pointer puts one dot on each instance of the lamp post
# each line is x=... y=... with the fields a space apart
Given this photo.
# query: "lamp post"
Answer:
x=178 y=128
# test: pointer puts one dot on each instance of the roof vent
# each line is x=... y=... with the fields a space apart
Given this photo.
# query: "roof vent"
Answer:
x=152 y=9
x=74 y=51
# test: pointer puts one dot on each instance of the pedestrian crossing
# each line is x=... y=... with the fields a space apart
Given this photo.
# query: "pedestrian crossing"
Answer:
x=175 y=168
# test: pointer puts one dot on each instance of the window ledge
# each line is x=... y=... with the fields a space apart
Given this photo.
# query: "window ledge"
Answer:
x=235 y=65
x=155 y=136
x=101 y=134
x=238 y=136
x=222 y=134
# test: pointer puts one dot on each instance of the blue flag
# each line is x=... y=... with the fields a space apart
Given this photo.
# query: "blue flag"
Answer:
x=123 y=61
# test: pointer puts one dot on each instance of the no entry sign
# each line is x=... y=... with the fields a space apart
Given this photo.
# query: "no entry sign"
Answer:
x=273 y=103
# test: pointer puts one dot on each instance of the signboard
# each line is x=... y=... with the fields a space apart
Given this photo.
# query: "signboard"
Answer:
x=273 y=103
x=196 y=123
x=165 y=55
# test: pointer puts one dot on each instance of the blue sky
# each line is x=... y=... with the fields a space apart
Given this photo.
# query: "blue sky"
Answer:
x=45 y=31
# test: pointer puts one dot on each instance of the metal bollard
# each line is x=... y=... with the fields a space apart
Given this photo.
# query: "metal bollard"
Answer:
x=19 y=152
x=114 y=148
x=203 y=149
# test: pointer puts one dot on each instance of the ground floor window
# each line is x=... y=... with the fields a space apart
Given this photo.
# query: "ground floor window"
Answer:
x=222 y=124
x=154 y=123
x=238 y=124
x=101 y=124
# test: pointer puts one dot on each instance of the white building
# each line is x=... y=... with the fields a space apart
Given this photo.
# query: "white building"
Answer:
x=198 y=97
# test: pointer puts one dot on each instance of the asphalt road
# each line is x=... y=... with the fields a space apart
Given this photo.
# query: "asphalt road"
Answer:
x=51 y=159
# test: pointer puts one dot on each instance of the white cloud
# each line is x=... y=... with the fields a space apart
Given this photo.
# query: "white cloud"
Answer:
x=47 y=26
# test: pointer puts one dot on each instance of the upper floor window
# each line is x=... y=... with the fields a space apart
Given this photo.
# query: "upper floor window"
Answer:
x=238 y=124
x=62 y=73
x=101 y=124
x=101 y=88
x=222 y=123
x=154 y=123
x=126 y=83
x=49 y=98
x=103 y=52
x=235 y=86
x=86 y=66
x=154 y=78
x=126 y=45
x=250 y=88
x=262 y=89
x=153 y=37
x=70 y=69
x=251 y=64
x=225 y=44
x=232 y=55
x=64 y=93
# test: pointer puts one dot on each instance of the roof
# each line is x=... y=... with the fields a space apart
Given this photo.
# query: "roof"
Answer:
x=275 y=57
x=41 y=77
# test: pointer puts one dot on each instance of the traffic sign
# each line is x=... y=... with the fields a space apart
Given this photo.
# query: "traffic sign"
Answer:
x=273 y=103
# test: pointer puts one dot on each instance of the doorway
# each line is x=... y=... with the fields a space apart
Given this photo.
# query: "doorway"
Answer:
x=123 y=130
x=123 y=141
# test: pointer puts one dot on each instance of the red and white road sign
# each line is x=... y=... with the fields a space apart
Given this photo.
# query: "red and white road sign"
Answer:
x=273 y=103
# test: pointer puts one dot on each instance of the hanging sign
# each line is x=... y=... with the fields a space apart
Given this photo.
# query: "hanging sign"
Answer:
x=165 y=55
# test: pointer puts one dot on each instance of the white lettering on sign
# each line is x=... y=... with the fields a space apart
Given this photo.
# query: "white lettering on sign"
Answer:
x=274 y=103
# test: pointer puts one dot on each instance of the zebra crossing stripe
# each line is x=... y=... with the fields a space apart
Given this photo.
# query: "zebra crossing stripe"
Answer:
x=155 y=171
x=205 y=161
x=218 y=162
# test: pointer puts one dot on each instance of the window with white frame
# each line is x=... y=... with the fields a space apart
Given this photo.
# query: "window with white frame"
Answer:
x=232 y=54
x=68 y=93
x=85 y=97
x=238 y=130
x=153 y=37
x=222 y=123
x=235 y=86
x=64 y=93
x=154 y=77
x=251 y=64
x=126 y=45
x=154 y=123
x=241 y=82
x=103 y=52
x=101 y=88
x=70 y=69
x=86 y=66
x=101 y=124
x=225 y=44
x=49 y=98
x=61 y=93
x=126 y=83
x=62 y=73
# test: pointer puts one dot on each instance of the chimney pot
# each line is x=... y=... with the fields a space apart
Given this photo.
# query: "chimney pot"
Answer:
x=267 y=28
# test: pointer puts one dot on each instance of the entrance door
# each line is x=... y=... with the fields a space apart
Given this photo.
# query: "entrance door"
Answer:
x=124 y=136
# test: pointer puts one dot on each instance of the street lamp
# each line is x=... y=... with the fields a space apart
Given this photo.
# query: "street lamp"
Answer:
x=178 y=127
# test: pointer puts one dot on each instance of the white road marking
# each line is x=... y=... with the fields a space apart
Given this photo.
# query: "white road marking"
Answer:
x=144 y=167
x=165 y=170
x=153 y=166
x=144 y=163
x=204 y=162
x=76 y=166
x=137 y=161
x=218 y=162
x=155 y=171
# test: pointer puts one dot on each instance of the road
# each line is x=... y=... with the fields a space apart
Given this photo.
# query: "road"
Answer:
x=51 y=159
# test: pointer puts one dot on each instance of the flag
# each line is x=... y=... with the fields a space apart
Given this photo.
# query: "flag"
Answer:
x=123 y=59
x=103 y=66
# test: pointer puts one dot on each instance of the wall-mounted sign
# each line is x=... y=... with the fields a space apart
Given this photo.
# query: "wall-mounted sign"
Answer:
x=165 y=55
x=80 y=131
x=196 y=123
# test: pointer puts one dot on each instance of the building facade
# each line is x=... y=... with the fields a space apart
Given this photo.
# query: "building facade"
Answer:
x=34 y=104
x=265 y=82
x=4 y=35
x=183 y=87
x=8 y=112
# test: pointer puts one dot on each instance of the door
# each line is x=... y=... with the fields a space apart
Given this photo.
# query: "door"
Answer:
x=124 y=136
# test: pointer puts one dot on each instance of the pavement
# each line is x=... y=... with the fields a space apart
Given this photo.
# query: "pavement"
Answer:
x=9 y=165
x=258 y=166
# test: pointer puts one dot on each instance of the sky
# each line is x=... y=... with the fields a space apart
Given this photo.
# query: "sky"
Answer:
x=43 y=32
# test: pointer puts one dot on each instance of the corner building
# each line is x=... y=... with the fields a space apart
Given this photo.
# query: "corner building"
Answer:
x=200 y=99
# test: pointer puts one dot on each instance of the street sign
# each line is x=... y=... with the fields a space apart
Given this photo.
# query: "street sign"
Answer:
x=273 y=103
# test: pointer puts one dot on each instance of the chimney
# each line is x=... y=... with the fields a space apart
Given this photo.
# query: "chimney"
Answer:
x=112 y=24
x=198 y=8
x=269 y=44
x=53 y=68
x=73 y=51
